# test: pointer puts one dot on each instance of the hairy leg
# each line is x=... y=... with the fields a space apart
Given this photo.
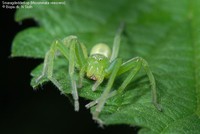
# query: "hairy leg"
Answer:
x=49 y=62
x=106 y=94
x=76 y=55
x=135 y=65
x=116 y=43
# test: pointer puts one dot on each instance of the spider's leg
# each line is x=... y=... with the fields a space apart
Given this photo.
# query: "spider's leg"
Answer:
x=116 y=43
x=81 y=76
x=72 y=77
x=74 y=52
x=80 y=50
x=97 y=83
x=113 y=93
x=153 y=84
x=101 y=101
x=135 y=65
x=49 y=61
x=77 y=57
x=93 y=103
x=83 y=55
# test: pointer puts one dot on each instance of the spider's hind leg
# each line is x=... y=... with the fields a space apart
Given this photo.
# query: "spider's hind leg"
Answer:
x=135 y=65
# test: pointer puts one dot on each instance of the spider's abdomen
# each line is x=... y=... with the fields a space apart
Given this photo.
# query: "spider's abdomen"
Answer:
x=96 y=66
x=101 y=49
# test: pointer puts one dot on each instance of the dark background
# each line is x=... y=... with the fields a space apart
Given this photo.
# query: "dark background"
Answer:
x=45 y=111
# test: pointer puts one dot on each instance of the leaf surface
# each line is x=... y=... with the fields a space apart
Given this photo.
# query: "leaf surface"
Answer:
x=164 y=32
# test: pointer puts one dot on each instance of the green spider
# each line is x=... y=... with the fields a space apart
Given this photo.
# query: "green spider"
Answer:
x=99 y=65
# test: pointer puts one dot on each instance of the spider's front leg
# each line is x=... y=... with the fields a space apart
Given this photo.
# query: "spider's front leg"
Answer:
x=133 y=65
x=49 y=62
x=75 y=53
x=112 y=73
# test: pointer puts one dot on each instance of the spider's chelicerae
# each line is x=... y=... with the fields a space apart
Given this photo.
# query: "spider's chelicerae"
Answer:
x=99 y=65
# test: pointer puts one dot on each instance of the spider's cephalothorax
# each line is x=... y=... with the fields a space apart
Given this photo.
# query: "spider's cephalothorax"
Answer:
x=101 y=64
x=98 y=61
x=96 y=66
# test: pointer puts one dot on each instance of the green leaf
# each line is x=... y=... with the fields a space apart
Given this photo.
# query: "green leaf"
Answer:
x=164 y=32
